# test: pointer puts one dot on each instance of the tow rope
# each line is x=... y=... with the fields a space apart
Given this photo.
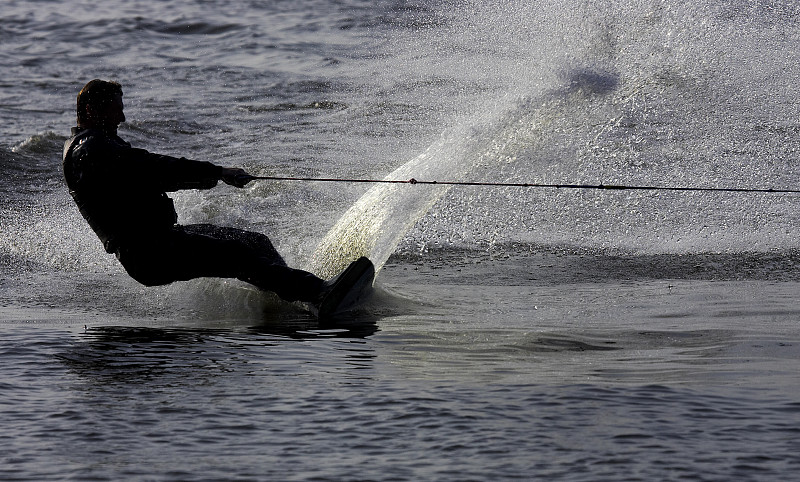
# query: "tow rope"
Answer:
x=610 y=187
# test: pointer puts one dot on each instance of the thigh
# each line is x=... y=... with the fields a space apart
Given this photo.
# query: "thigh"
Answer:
x=197 y=251
x=258 y=243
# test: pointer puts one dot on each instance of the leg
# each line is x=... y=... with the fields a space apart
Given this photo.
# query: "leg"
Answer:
x=257 y=242
x=197 y=251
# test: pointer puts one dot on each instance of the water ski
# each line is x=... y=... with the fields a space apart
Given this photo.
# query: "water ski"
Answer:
x=347 y=290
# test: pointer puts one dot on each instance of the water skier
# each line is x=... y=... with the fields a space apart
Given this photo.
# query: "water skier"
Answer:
x=122 y=192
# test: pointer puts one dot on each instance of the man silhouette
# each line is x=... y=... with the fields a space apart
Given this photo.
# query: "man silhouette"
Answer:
x=121 y=191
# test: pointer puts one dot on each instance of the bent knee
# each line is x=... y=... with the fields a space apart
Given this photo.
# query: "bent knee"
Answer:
x=145 y=269
x=147 y=275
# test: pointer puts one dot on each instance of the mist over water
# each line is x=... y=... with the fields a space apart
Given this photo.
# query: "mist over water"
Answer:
x=631 y=94
x=640 y=93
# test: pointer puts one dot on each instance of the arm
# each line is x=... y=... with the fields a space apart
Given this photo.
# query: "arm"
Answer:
x=173 y=174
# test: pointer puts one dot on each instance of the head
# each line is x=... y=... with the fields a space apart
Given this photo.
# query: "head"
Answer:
x=100 y=105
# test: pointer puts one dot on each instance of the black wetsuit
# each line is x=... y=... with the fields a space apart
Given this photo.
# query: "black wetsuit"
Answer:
x=121 y=192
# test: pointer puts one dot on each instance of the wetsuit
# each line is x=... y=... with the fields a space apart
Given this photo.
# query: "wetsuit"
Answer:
x=122 y=192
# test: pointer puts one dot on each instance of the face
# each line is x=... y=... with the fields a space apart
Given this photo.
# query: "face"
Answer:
x=114 y=114
x=109 y=116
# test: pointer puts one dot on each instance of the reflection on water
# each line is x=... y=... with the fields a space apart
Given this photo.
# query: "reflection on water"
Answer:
x=125 y=353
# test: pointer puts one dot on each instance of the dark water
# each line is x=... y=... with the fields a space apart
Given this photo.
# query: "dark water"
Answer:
x=516 y=333
x=607 y=387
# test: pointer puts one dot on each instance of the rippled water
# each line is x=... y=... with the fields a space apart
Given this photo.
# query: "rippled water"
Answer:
x=515 y=334
x=608 y=383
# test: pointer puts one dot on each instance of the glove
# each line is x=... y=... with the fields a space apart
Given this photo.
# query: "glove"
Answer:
x=235 y=176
